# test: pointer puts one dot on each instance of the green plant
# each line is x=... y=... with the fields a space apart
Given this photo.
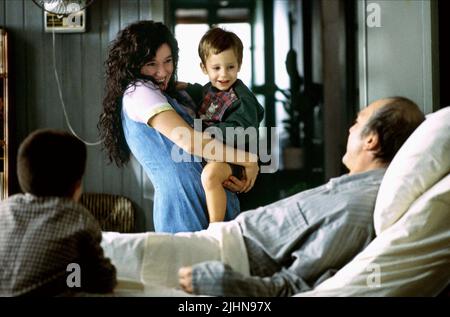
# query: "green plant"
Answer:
x=295 y=103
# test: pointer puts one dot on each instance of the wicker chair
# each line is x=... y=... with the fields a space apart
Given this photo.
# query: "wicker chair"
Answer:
x=113 y=212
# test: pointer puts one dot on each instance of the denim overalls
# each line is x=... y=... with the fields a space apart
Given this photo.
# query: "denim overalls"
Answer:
x=180 y=203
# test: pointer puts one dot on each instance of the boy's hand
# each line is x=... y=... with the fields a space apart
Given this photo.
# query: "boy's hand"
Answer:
x=181 y=85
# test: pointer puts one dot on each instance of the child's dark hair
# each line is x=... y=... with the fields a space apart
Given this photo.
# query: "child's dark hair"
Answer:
x=217 y=40
x=50 y=163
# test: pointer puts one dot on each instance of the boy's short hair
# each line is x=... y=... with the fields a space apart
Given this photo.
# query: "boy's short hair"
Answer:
x=217 y=40
x=50 y=163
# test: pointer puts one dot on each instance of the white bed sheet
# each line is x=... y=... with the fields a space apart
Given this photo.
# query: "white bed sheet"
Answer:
x=147 y=263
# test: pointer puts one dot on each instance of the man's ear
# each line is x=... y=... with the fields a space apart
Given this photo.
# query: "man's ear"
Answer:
x=203 y=67
x=371 y=142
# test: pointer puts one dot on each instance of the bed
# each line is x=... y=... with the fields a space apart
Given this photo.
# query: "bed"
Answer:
x=147 y=263
x=410 y=255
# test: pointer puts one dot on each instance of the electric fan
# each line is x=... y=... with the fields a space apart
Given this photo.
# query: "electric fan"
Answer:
x=62 y=7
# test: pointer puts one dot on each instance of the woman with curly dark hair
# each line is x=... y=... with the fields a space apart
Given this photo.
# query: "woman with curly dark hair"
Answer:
x=142 y=114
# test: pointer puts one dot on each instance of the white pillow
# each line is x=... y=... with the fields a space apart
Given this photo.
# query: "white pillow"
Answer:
x=419 y=164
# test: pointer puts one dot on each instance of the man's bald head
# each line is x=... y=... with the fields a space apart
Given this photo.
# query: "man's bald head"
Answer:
x=393 y=119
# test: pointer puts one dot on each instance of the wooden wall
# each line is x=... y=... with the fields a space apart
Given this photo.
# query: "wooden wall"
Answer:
x=399 y=57
x=34 y=96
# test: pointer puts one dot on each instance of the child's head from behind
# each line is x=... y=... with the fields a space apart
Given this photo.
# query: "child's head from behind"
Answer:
x=51 y=163
x=221 y=54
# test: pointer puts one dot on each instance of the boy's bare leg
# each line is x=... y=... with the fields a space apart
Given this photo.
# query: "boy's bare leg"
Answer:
x=213 y=175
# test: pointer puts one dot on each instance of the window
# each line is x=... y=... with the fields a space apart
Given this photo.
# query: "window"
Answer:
x=188 y=37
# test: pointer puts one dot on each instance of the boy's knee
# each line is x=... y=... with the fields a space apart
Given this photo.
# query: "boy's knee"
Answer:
x=213 y=175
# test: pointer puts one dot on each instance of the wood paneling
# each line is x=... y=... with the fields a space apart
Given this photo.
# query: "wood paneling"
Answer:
x=35 y=99
x=398 y=57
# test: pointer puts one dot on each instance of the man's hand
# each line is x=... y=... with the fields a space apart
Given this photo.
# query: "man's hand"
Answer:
x=185 y=278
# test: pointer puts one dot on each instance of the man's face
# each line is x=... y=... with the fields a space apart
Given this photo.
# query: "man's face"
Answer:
x=355 y=141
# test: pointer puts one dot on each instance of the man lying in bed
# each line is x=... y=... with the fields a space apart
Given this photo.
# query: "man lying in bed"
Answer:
x=296 y=243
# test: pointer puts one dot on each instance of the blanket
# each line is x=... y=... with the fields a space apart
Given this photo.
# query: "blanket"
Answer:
x=147 y=263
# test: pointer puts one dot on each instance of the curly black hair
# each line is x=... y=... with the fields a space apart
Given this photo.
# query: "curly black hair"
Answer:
x=133 y=47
